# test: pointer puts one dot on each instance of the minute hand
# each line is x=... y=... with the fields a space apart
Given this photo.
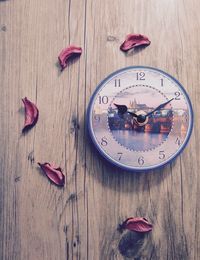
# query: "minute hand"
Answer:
x=159 y=107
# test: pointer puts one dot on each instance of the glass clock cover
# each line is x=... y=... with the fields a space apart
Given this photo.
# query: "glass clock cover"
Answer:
x=140 y=118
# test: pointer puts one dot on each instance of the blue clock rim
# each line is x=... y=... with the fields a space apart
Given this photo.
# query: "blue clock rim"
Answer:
x=89 y=111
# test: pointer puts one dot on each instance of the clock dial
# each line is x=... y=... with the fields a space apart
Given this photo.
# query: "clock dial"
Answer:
x=140 y=118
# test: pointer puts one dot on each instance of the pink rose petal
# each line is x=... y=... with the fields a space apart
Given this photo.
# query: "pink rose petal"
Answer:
x=53 y=173
x=134 y=40
x=31 y=114
x=69 y=53
x=137 y=224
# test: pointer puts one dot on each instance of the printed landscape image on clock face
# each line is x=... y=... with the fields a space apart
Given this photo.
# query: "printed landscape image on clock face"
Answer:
x=140 y=118
x=125 y=128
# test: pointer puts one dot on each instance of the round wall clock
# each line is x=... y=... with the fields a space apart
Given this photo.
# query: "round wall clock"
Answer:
x=140 y=118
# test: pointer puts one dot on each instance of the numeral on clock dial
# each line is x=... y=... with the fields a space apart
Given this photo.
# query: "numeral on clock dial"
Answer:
x=103 y=100
x=178 y=141
x=140 y=76
x=161 y=155
x=104 y=141
x=141 y=160
x=119 y=156
x=117 y=83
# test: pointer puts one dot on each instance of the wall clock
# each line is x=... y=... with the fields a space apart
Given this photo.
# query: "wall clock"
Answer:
x=140 y=118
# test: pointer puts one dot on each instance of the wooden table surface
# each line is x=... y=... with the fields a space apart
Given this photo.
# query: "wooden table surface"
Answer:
x=39 y=221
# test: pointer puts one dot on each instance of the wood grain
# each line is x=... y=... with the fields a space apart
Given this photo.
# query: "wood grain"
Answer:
x=40 y=221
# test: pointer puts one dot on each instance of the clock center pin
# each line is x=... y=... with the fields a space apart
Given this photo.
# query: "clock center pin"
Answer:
x=142 y=118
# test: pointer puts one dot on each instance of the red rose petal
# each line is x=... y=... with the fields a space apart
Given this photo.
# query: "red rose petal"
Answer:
x=53 y=173
x=137 y=224
x=31 y=114
x=67 y=54
x=134 y=40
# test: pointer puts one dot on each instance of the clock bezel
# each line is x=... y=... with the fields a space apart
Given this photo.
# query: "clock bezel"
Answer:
x=110 y=159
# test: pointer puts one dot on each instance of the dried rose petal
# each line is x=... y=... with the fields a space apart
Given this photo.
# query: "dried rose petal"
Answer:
x=67 y=54
x=53 y=173
x=134 y=40
x=137 y=224
x=31 y=114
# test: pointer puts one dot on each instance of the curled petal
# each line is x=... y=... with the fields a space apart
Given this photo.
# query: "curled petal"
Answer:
x=31 y=114
x=134 y=40
x=53 y=173
x=67 y=54
x=137 y=224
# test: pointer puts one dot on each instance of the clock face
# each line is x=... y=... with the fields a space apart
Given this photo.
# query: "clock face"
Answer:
x=140 y=118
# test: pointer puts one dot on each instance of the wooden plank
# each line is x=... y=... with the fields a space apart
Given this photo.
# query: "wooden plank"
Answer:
x=40 y=221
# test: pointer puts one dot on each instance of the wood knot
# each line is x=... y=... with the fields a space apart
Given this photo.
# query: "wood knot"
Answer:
x=65 y=228
x=111 y=38
x=17 y=178
x=132 y=244
x=74 y=125
x=72 y=197
x=77 y=241
x=3 y=28
x=31 y=157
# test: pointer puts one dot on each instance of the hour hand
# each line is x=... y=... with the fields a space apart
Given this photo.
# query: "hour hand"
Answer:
x=122 y=109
